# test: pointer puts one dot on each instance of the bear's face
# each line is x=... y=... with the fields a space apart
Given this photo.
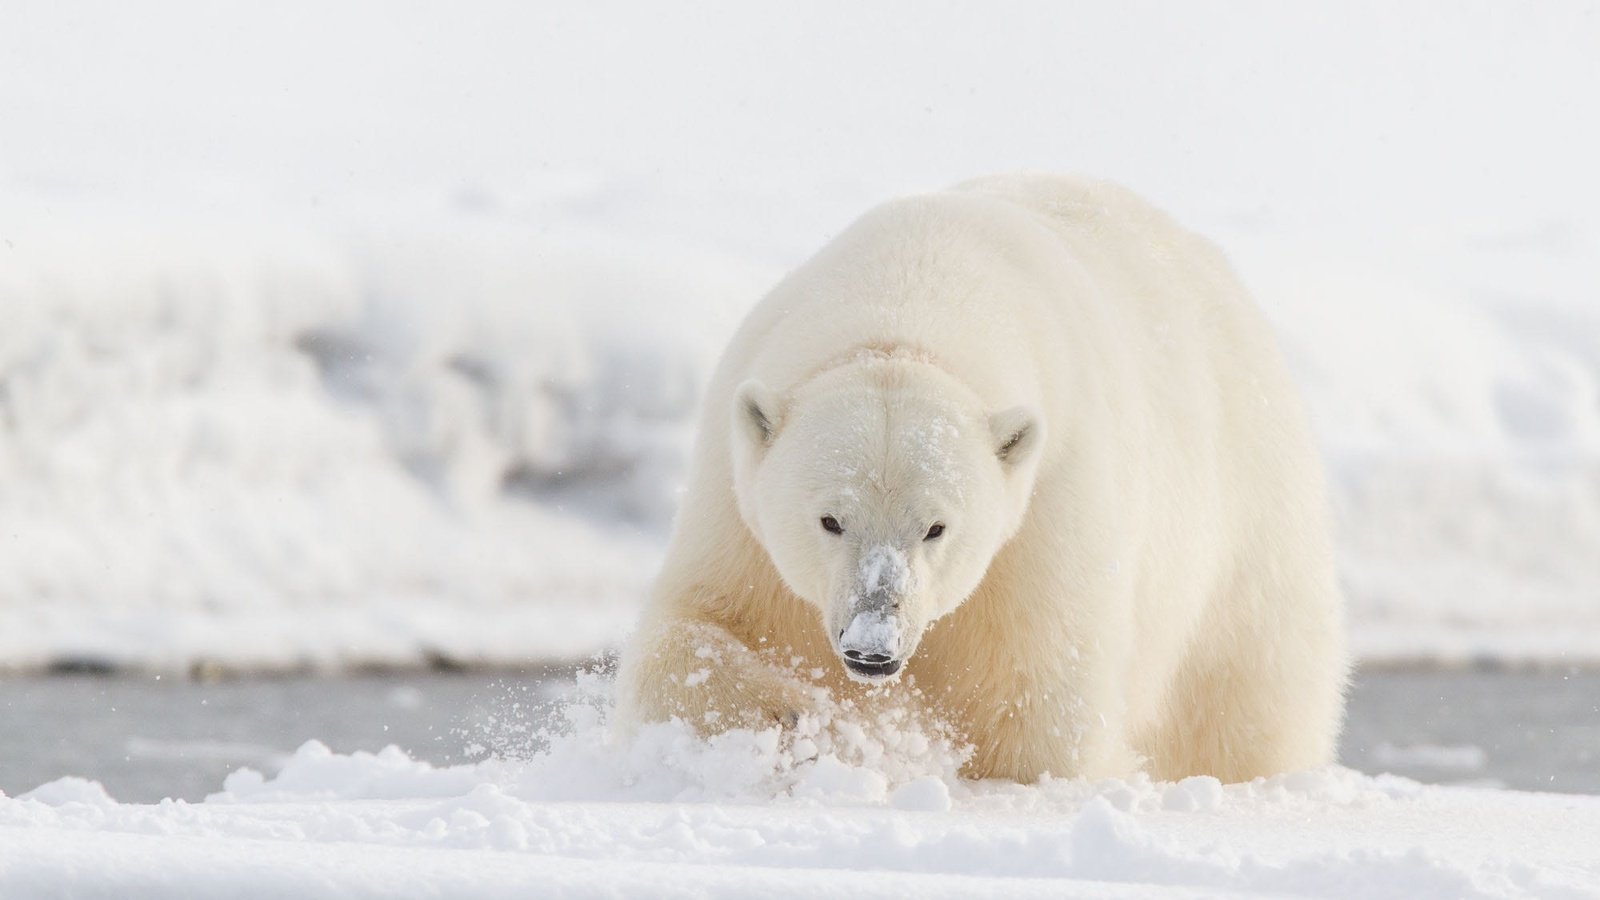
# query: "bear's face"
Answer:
x=881 y=491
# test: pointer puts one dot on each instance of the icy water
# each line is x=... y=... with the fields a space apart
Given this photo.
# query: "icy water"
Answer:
x=147 y=738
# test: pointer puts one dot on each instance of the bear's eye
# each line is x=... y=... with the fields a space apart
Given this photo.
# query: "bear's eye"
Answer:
x=934 y=532
x=831 y=525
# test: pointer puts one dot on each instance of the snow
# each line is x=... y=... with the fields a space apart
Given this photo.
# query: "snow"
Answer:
x=211 y=429
x=854 y=805
x=873 y=631
x=1461 y=435
x=884 y=568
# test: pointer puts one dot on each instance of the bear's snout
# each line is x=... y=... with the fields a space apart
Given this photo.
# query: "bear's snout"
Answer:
x=870 y=644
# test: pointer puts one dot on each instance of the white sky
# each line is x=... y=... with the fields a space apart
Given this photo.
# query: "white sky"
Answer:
x=1409 y=112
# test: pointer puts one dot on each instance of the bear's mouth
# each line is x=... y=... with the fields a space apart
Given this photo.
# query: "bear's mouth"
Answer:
x=870 y=666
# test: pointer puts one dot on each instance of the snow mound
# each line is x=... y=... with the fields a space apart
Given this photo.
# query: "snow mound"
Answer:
x=839 y=756
x=69 y=790
x=651 y=815
x=570 y=750
x=424 y=432
x=852 y=798
x=314 y=772
x=1452 y=376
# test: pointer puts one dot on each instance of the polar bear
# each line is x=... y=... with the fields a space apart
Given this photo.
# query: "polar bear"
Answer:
x=1025 y=451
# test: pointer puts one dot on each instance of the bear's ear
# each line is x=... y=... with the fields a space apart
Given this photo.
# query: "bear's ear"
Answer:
x=755 y=413
x=1017 y=434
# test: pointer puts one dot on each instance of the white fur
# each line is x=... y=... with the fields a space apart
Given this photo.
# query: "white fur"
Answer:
x=1134 y=569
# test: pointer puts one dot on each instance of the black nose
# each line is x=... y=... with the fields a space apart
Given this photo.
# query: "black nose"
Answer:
x=871 y=665
x=871 y=659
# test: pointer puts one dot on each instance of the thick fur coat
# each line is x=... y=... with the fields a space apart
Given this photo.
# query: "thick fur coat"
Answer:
x=1027 y=447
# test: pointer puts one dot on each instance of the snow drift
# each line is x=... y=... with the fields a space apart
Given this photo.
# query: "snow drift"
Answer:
x=849 y=803
x=458 y=442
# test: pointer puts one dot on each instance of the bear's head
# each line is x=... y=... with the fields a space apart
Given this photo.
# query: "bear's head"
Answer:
x=881 y=490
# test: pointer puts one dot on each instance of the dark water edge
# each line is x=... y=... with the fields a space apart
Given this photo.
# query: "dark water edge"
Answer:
x=1533 y=729
x=147 y=736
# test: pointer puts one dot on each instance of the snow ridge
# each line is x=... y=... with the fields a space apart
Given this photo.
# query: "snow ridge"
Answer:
x=872 y=802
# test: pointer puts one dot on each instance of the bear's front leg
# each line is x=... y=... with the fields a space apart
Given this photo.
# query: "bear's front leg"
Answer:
x=681 y=668
x=1028 y=734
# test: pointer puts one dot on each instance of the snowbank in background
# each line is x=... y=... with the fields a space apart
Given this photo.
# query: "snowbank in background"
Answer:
x=274 y=445
x=454 y=429
x=1453 y=377
x=864 y=806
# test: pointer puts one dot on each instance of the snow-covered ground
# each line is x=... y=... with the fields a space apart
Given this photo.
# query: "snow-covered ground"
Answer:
x=848 y=807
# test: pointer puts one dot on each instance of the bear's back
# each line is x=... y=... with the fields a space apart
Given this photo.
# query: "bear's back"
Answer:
x=1127 y=244
x=1176 y=303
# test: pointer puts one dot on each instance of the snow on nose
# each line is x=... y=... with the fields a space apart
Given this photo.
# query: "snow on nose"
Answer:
x=883 y=570
x=872 y=636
